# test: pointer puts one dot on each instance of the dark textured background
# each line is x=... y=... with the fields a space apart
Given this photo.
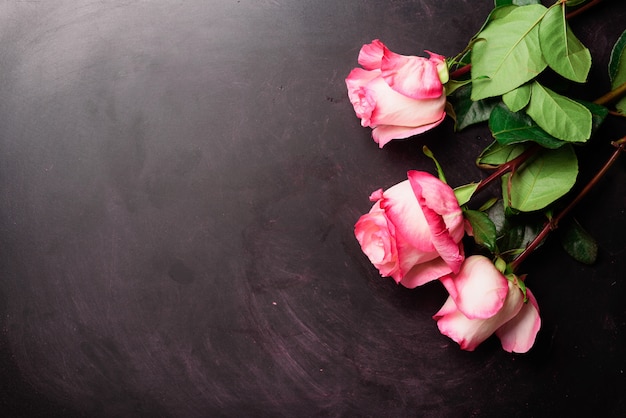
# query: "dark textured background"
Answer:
x=179 y=181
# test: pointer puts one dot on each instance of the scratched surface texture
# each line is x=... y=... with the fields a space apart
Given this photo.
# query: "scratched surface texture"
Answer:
x=179 y=181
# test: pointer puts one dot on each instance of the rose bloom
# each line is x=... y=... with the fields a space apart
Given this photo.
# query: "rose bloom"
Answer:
x=413 y=232
x=482 y=301
x=398 y=96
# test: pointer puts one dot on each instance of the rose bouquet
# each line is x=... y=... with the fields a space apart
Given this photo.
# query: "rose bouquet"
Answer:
x=421 y=229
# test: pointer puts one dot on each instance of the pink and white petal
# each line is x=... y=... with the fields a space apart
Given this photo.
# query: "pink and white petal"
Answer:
x=362 y=98
x=383 y=134
x=358 y=78
x=376 y=236
x=449 y=307
x=436 y=58
x=409 y=256
x=442 y=67
x=442 y=200
x=414 y=77
x=376 y=196
x=393 y=108
x=466 y=332
x=469 y=333
x=479 y=289
x=371 y=55
x=401 y=207
x=441 y=239
x=519 y=334
x=423 y=273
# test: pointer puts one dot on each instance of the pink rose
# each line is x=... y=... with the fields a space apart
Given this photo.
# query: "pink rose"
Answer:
x=413 y=232
x=398 y=96
x=482 y=301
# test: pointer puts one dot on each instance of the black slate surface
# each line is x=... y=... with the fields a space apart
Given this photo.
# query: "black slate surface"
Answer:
x=179 y=181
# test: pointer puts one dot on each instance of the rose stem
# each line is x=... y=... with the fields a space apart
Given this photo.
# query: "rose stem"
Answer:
x=582 y=9
x=459 y=72
x=466 y=68
x=508 y=166
x=614 y=94
x=620 y=146
x=516 y=162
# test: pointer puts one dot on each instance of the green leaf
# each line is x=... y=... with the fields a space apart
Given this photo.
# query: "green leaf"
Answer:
x=470 y=112
x=464 y=193
x=513 y=128
x=564 y=53
x=517 y=99
x=496 y=154
x=598 y=113
x=573 y=3
x=621 y=106
x=514 y=232
x=516 y=2
x=558 y=115
x=483 y=229
x=617 y=62
x=578 y=243
x=497 y=13
x=544 y=178
x=509 y=54
x=617 y=69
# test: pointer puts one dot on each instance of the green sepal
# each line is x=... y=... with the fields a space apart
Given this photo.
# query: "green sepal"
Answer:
x=464 y=193
x=500 y=265
x=520 y=284
x=453 y=85
x=488 y=204
x=430 y=155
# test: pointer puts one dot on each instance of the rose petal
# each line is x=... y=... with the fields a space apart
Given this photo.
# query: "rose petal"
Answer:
x=478 y=289
x=426 y=272
x=376 y=195
x=519 y=334
x=400 y=205
x=393 y=108
x=376 y=235
x=383 y=134
x=442 y=68
x=358 y=78
x=446 y=245
x=442 y=200
x=363 y=100
x=414 y=77
x=469 y=333
x=371 y=55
